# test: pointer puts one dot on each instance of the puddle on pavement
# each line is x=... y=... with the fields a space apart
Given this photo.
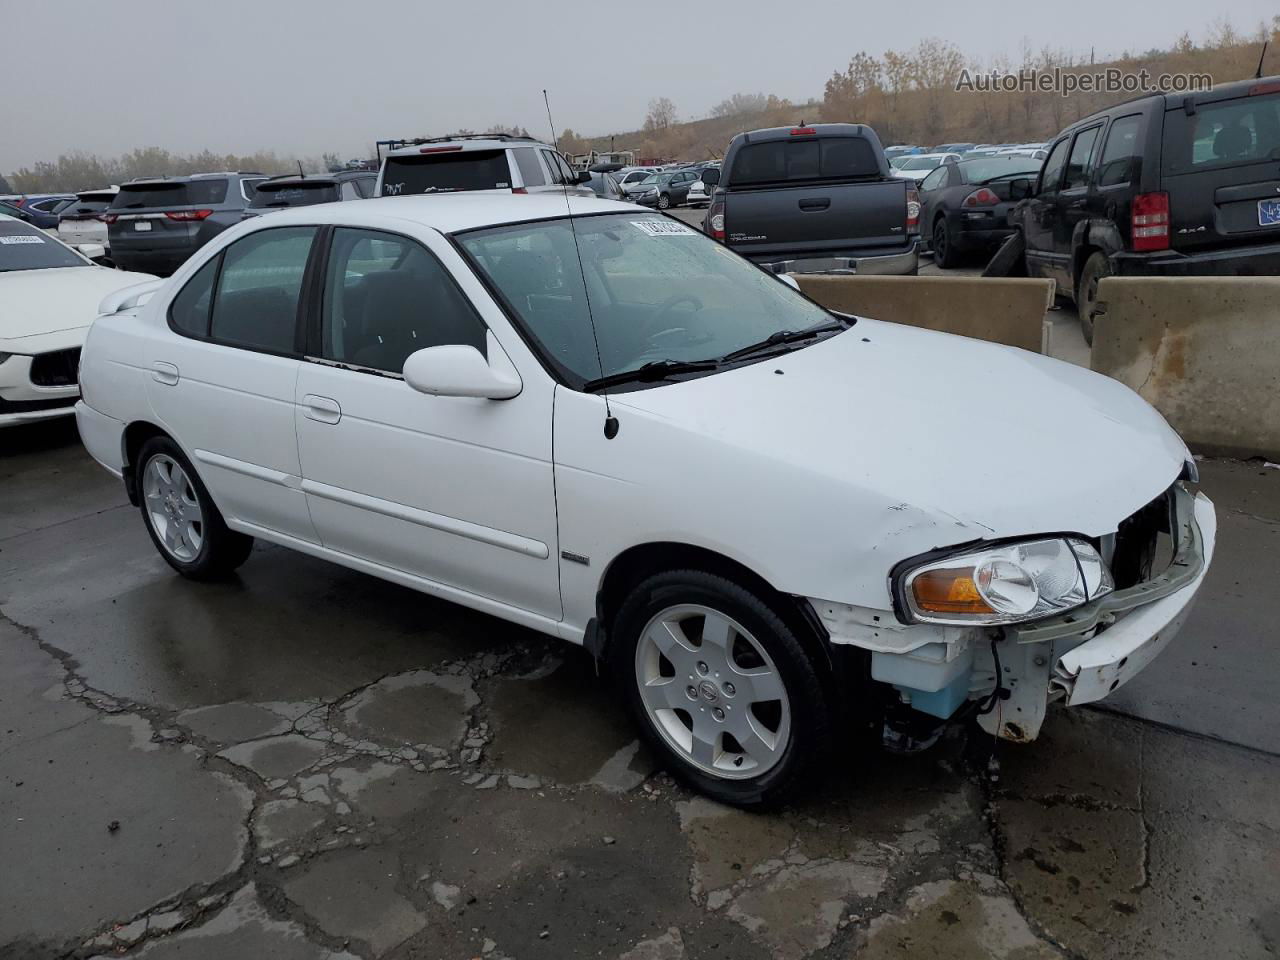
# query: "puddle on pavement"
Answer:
x=565 y=726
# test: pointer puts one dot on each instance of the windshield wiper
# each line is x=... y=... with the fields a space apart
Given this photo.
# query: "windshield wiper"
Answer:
x=654 y=370
x=782 y=337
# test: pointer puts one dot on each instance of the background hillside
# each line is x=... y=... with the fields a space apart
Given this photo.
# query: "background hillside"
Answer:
x=908 y=96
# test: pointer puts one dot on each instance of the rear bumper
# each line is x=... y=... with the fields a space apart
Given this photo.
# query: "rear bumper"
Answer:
x=1254 y=260
x=981 y=228
x=874 y=263
x=162 y=263
x=102 y=436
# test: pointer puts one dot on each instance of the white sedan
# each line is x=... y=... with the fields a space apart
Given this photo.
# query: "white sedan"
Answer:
x=49 y=294
x=777 y=525
x=698 y=195
x=920 y=165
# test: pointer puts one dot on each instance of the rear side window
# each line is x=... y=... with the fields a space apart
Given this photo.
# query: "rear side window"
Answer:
x=1121 y=154
x=1051 y=175
x=256 y=303
x=189 y=311
x=1245 y=130
x=182 y=193
x=446 y=173
x=386 y=297
x=530 y=169
x=783 y=161
x=1080 y=166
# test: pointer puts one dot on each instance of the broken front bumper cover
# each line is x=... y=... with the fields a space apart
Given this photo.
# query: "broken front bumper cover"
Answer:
x=1083 y=655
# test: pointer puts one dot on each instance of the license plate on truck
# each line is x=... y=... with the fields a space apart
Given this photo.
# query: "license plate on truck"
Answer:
x=1269 y=213
x=142 y=225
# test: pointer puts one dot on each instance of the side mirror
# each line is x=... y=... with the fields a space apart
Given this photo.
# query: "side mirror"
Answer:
x=582 y=176
x=1021 y=188
x=710 y=176
x=91 y=251
x=790 y=281
x=460 y=371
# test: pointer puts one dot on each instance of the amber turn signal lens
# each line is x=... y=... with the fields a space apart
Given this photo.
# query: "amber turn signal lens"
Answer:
x=948 y=591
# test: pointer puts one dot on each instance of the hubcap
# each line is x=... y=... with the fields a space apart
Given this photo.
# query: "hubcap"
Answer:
x=172 y=507
x=712 y=692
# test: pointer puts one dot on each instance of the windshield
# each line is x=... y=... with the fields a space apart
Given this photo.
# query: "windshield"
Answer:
x=919 y=163
x=658 y=290
x=980 y=171
x=25 y=248
x=657 y=178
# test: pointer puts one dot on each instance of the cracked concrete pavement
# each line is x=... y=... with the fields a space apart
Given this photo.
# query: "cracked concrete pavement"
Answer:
x=305 y=762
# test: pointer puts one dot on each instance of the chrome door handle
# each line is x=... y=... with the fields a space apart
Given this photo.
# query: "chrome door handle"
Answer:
x=165 y=373
x=321 y=409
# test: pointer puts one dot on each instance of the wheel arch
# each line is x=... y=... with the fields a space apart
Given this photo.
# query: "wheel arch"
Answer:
x=637 y=563
x=135 y=435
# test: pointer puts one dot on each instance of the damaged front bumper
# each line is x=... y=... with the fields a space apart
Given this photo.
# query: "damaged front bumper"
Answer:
x=1082 y=656
x=1077 y=657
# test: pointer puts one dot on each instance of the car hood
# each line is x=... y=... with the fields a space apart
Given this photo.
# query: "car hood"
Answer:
x=35 y=304
x=953 y=439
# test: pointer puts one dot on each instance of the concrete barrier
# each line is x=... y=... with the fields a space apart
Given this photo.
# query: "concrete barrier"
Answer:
x=1003 y=310
x=1204 y=351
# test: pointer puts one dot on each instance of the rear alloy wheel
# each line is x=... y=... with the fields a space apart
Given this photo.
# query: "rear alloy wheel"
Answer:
x=1095 y=268
x=944 y=254
x=181 y=517
x=721 y=687
x=664 y=202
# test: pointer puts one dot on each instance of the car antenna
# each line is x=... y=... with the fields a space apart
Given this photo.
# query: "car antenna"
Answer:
x=610 y=421
x=1258 y=75
x=301 y=175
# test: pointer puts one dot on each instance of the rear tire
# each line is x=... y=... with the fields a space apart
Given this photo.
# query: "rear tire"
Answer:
x=181 y=518
x=720 y=687
x=1095 y=269
x=944 y=252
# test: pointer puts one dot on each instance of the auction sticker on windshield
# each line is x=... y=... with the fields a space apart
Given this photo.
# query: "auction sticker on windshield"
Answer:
x=22 y=239
x=663 y=228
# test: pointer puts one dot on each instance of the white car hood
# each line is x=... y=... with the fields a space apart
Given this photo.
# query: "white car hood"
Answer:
x=40 y=309
x=955 y=438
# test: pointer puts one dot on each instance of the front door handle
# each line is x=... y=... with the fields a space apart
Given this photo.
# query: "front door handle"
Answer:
x=322 y=409
x=165 y=373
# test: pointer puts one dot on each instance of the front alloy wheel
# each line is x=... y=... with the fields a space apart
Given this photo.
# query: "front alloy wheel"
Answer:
x=722 y=685
x=664 y=202
x=712 y=692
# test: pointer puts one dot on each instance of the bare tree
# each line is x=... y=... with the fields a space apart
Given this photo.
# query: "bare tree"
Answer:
x=662 y=114
x=739 y=104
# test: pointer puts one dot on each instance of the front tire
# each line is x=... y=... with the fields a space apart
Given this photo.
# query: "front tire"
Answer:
x=664 y=202
x=720 y=686
x=1095 y=268
x=181 y=518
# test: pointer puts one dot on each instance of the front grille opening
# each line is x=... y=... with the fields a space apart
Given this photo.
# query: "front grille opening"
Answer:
x=56 y=369
x=1145 y=543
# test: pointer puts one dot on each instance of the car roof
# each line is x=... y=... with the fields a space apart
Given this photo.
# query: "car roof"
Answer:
x=454 y=212
x=464 y=143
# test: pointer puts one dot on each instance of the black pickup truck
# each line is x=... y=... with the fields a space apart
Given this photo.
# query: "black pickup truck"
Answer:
x=814 y=199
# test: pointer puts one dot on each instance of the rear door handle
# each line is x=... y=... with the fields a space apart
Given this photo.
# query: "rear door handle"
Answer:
x=815 y=203
x=165 y=373
x=322 y=409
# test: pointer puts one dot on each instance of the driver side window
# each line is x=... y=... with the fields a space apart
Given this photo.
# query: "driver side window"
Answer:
x=386 y=297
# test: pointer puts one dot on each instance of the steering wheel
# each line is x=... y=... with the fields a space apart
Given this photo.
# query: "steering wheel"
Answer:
x=656 y=326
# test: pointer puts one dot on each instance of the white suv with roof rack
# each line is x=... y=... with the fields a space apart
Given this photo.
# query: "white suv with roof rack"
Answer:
x=484 y=163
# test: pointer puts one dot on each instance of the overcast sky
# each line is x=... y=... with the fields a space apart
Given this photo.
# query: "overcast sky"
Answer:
x=302 y=77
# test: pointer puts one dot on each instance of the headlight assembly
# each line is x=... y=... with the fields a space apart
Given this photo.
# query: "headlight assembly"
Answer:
x=1010 y=583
